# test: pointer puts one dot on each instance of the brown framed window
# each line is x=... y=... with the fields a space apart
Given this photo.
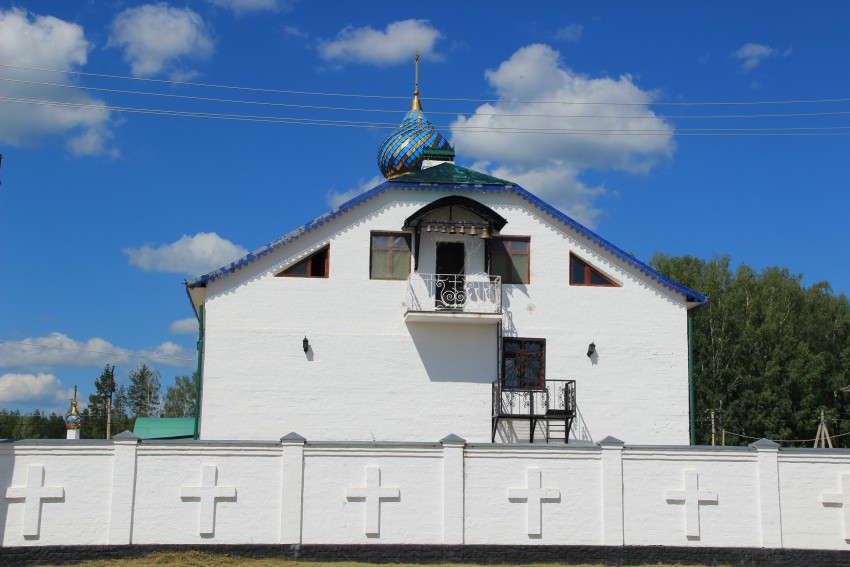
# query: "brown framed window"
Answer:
x=316 y=265
x=389 y=257
x=582 y=273
x=510 y=257
x=524 y=364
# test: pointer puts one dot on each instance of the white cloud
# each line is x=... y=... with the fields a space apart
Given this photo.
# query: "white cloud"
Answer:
x=295 y=31
x=247 y=6
x=157 y=38
x=550 y=164
x=569 y=32
x=395 y=44
x=188 y=326
x=59 y=350
x=337 y=198
x=33 y=388
x=199 y=254
x=558 y=185
x=47 y=42
x=752 y=54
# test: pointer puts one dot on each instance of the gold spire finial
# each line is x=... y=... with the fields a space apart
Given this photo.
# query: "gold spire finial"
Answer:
x=416 y=74
x=416 y=104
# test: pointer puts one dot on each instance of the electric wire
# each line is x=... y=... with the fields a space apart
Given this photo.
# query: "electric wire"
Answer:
x=430 y=112
x=777 y=131
x=447 y=99
x=785 y=440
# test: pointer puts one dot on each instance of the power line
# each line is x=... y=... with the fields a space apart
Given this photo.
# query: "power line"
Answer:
x=783 y=440
x=53 y=347
x=444 y=99
x=780 y=131
x=447 y=113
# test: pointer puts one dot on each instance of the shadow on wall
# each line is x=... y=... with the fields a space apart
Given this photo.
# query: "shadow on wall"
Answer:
x=516 y=431
x=456 y=352
x=508 y=293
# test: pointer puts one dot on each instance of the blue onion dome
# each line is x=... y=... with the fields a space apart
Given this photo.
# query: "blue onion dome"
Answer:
x=401 y=151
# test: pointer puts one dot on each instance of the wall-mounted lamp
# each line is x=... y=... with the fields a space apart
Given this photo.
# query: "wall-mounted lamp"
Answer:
x=306 y=344
x=591 y=349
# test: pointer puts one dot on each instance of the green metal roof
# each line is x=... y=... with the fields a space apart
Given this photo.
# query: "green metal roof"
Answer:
x=450 y=173
x=165 y=427
x=438 y=152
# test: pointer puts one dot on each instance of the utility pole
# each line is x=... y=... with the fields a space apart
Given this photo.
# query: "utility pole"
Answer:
x=822 y=438
x=111 y=388
x=713 y=430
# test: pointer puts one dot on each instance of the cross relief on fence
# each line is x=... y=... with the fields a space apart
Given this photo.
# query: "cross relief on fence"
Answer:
x=534 y=495
x=33 y=494
x=372 y=494
x=840 y=500
x=207 y=493
x=691 y=497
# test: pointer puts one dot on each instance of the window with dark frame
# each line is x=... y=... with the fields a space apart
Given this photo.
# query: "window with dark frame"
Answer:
x=582 y=273
x=389 y=256
x=510 y=258
x=315 y=265
x=524 y=364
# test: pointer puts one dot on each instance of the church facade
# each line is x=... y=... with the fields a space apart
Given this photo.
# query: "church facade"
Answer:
x=416 y=349
x=443 y=300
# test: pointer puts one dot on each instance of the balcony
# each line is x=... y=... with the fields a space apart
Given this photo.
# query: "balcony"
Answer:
x=440 y=298
x=553 y=407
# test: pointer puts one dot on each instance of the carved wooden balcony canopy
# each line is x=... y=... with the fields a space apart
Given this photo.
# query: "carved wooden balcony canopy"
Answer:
x=488 y=215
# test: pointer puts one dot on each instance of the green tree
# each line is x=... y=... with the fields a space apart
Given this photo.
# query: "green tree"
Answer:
x=769 y=353
x=180 y=398
x=107 y=406
x=143 y=395
x=35 y=425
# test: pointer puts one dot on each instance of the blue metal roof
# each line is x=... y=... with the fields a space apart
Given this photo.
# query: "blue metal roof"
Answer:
x=397 y=185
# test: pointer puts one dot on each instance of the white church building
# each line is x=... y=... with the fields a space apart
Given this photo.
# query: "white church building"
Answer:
x=443 y=299
x=443 y=369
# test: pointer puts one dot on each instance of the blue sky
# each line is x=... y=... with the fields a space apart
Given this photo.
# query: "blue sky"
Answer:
x=104 y=212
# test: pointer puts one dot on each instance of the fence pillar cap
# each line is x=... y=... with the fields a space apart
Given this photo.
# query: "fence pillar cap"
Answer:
x=292 y=438
x=765 y=444
x=127 y=437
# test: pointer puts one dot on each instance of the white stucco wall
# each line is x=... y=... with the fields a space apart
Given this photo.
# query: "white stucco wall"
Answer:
x=371 y=376
x=437 y=493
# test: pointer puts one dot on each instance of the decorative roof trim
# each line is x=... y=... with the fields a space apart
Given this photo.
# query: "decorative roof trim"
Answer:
x=563 y=219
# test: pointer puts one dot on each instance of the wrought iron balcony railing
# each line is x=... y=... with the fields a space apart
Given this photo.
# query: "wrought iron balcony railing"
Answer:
x=454 y=293
x=554 y=402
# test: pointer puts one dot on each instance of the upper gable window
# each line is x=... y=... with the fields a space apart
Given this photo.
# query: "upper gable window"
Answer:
x=510 y=257
x=390 y=256
x=313 y=266
x=582 y=273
